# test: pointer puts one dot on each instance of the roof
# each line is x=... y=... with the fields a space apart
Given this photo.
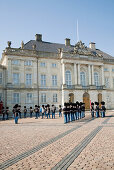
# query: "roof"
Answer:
x=53 y=47
x=47 y=46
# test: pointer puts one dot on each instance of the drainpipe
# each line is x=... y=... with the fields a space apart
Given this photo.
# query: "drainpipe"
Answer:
x=37 y=82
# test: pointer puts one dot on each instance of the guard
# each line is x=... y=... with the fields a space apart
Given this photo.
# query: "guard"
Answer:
x=97 y=109
x=25 y=111
x=103 y=109
x=92 y=109
x=65 y=112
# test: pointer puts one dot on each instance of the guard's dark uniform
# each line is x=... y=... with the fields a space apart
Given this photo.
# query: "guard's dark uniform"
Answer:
x=92 y=109
x=7 y=113
x=103 y=109
x=65 y=111
x=97 y=109
x=36 y=111
x=25 y=111
x=31 y=112
x=3 y=113
x=60 y=111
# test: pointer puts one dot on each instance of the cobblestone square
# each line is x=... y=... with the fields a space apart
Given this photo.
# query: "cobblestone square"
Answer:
x=37 y=144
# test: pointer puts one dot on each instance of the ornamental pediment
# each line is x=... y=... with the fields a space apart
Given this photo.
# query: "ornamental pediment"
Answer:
x=81 y=49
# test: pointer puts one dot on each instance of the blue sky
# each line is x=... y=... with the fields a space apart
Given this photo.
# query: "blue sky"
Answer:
x=56 y=20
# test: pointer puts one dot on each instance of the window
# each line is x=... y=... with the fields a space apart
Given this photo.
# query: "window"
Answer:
x=68 y=77
x=42 y=64
x=96 y=79
x=82 y=79
x=28 y=79
x=43 y=80
x=54 y=80
x=105 y=69
x=15 y=62
x=106 y=82
x=113 y=82
x=0 y=78
x=16 y=98
x=0 y=96
x=54 y=65
x=54 y=97
x=29 y=98
x=28 y=63
x=112 y=69
x=43 y=98
x=15 y=78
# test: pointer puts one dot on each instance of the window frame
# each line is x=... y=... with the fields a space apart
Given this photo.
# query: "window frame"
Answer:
x=68 y=78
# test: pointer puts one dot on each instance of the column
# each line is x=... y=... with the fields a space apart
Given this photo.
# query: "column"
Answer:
x=102 y=75
x=63 y=70
x=89 y=75
x=92 y=74
x=75 y=74
x=78 y=74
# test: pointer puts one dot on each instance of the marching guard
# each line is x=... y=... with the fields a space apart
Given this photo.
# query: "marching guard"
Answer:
x=103 y=109
x=31 y=112
x=97 y=109
x=65 y=110
x=25 y=111
x=48 y=111
x=60 y=111
x=36 y=111
x=3 y=113
x=7 y=113
x=92 y=109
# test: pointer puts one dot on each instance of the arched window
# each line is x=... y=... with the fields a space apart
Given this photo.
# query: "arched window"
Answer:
x=96 y=79
x=82 y=79
x=68 y=77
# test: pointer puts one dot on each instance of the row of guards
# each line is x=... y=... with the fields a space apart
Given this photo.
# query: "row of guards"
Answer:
x=75 y=111
x=98 y=111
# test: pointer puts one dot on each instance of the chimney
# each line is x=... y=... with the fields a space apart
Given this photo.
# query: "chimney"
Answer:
x=92 y=45
x=67 y=42
x=38 y=37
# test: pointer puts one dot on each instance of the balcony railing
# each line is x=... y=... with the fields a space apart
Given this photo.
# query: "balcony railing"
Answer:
x=99 y=87
x=70 y=86
x=86 y=87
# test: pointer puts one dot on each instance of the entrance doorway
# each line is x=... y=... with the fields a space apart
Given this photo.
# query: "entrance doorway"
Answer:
x=100 y=99
x=71 y=98
x=86 y=100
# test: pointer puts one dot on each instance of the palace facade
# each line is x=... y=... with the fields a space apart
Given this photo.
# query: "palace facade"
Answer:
x=41 y=72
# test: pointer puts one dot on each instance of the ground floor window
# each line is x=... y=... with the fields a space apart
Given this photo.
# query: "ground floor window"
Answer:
x=29 y=98
x=16 y=98
x=54 y=97
x=43 y=98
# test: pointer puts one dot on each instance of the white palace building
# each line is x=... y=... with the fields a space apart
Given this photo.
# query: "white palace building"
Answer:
x=42 y=72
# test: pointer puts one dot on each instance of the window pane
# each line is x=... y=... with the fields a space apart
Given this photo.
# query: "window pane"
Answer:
x=68 y=77
x=16 y=62
x=15 y=78
x=54 y=65
x=82 y=79
x=28 y=63
x=55 y=97
x=43 y=98
x=16 y=98
x=29 y=98
x=28 y=79
x=54 y=80
x=43 y=80
x=0 y=78
x=107 y=82
x=96 y=79
x=42 y=64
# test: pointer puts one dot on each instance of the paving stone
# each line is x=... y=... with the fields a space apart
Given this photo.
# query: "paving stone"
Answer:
x=17 y=139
